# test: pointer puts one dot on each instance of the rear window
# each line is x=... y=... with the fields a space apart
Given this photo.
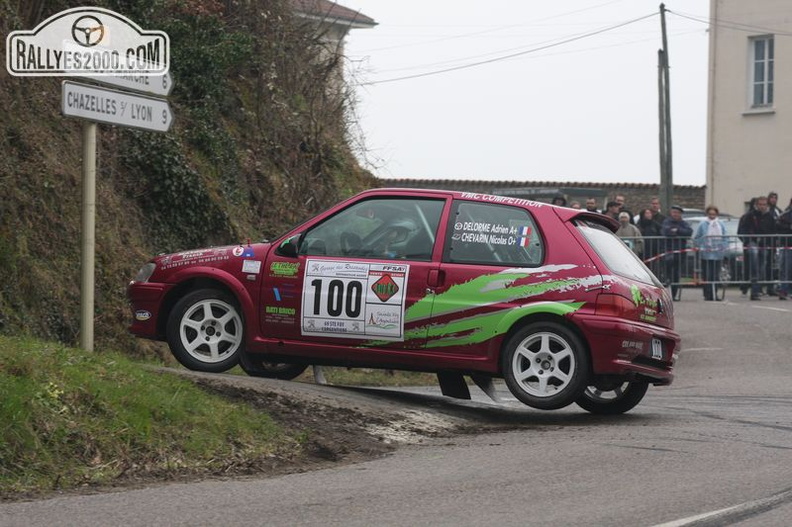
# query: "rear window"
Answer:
x=616 y=255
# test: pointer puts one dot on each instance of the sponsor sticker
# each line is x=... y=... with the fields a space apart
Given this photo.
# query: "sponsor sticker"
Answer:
x=202 y=256
x=251 y=266
x=354 y=299
x=142 y=315
x=289 y=269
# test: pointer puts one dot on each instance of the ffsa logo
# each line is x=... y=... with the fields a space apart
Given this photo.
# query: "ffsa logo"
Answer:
x=87 y=41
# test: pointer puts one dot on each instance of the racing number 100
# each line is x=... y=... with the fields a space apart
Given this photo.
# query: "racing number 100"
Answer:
x=348 y=300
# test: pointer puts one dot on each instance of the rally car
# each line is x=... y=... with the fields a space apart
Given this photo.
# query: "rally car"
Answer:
x=455 y=283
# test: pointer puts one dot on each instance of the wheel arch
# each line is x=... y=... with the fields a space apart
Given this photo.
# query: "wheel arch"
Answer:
x=201 y=281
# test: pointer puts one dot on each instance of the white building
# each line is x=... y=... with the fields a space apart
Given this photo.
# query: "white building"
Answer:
x=749 y=125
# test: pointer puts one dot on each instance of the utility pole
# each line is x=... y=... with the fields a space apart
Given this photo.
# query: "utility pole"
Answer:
x=664 y=89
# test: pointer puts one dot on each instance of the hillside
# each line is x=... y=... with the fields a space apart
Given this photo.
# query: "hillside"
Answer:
x=259 y=143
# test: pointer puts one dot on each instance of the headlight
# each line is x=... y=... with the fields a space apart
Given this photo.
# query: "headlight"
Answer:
x=145 y=272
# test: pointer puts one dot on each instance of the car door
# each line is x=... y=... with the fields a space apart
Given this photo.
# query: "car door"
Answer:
x=357 y=272
x=487 y=274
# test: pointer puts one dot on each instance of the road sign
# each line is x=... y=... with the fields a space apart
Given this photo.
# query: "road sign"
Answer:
x=104 y=105
x=154 y=84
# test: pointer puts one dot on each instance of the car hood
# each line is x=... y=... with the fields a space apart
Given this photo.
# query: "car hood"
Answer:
x=229 y=257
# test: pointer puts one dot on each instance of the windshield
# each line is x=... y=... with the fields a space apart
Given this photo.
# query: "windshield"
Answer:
x=616 y=255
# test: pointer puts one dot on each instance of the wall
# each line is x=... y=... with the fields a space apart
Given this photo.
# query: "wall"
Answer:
x=637 y=195
x=748 y=150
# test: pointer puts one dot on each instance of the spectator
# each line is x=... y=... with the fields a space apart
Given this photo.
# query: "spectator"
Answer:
x=612 y=209
x=772 y=205
x=784 y=229
x=650 y=230
x=559 y=200
x=677 y=231
x=622 y=206
x=753 y=229
x=659 y=217
x=630 y=234
x=775 y=212
x=591 y=205
x=574 y=204
x=711 y=243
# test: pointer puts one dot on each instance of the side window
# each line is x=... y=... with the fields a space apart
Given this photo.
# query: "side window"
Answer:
x=489 y=234
x=761 y=74
x=378 y=228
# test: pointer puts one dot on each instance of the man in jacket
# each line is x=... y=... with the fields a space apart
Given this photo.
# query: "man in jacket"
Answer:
x=677 y=231
x=754 y=228
x=784 y=229
x=775 y=212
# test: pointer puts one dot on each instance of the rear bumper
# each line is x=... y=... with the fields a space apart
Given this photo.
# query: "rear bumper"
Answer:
x=624 y=347
x=145 y=301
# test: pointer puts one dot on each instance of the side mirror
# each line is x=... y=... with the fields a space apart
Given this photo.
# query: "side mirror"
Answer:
x=290 y=246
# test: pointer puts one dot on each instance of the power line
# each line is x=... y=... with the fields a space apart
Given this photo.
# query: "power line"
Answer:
x=490 y=30
x=618 y=44
x=737 y=26
x=513 y=55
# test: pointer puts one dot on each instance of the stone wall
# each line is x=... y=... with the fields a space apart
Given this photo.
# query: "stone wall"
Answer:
x=637 y=195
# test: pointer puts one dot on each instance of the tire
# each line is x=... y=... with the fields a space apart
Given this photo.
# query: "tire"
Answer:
x=545 y=365
x=256 y=367
x=205 y=331
x=613 y=400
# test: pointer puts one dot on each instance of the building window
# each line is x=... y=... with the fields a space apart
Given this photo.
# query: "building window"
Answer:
x=762 y=71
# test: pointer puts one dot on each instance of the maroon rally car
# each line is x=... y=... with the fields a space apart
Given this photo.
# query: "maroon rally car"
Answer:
x=455 y=283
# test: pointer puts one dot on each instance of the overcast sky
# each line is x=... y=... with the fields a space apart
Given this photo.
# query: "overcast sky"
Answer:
x=582 y=111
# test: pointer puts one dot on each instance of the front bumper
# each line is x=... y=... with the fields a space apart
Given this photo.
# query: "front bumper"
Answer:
x=145 y=301
x=624 y=347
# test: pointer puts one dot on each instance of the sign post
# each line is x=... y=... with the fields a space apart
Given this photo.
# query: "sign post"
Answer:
x=88 y=235
x=97 y=104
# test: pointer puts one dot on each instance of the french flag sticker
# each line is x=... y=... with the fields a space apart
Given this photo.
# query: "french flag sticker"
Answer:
x=525 y=236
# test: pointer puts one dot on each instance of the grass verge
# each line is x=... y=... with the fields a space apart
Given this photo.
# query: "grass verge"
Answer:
x=70 y=418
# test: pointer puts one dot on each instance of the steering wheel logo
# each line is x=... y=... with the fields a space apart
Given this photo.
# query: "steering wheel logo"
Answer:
x=87 y=31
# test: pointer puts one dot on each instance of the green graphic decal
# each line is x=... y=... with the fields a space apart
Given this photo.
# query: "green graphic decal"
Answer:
x=640 y=300
x=481 y=291
x=480 y=328
x=473 y=330
x=636 y=294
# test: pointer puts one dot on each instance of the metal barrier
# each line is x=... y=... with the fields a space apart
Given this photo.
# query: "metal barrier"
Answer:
x=678 y=262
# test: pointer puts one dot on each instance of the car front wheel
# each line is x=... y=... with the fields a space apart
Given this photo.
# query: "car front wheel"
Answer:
x=545 y=365
x=205 y=331
x=613 y=399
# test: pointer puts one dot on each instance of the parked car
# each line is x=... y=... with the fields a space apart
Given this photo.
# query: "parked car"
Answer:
x=691 y=213
x=545 y=297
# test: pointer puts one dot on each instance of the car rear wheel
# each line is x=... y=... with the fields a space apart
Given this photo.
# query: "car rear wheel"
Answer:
x=613 y=399
x=257 y=367
x=545 y=365
x=205 y=331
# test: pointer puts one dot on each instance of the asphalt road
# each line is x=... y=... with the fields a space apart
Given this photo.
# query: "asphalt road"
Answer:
x=715 y=448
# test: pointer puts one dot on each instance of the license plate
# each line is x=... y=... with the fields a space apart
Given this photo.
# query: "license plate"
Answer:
x=657 y=349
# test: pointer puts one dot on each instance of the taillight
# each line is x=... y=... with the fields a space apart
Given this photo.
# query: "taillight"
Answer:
x=614 y=306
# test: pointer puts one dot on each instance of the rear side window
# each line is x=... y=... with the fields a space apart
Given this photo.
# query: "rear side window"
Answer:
x=489 y=234
x=616 y=255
